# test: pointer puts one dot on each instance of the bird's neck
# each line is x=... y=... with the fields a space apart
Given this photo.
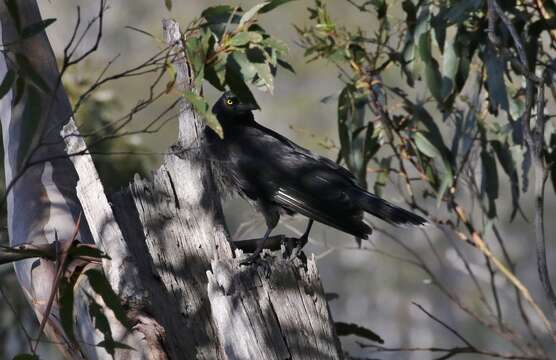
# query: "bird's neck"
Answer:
x=233 y=124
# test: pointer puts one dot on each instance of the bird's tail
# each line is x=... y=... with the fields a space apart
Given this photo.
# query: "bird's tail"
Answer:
x=388 y=212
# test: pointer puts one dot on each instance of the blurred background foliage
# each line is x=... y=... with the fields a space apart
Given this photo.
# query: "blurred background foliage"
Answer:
x=417 y=98
x=118 y=159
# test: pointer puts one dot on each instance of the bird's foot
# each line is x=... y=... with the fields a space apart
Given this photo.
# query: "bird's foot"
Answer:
x=251 y=259
x=257 y=261
x=300 y=243
x=290 y=244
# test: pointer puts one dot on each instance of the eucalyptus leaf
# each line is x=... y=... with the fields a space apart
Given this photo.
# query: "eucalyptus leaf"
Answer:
x=26 y=357
x=36 y=28
x=99 y=283
x=276 y=44
x=245 y=37
x=249 y=14
x=31 y=132
x=286 y=66
x=236 y=82
x=505 y=158
x=496 y=86
x=247 y=68
x=13 y=10
x=101 y=324
x=215 y=72
x=66 y=308
x=346 y=329
x=265 y=74
x=433 y=77
x=7 y=82
x=27 y=69
x=489 y=181
x=446 y=173
x=202 y=108
x=271 y=5
x=457 y=11
x=382 y=176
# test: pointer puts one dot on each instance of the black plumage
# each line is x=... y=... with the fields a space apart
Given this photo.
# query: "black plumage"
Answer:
x=281 y=176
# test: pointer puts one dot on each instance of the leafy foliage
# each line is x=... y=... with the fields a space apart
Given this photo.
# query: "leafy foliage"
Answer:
x=435 y=101
x=441 y=47
x=228 y=47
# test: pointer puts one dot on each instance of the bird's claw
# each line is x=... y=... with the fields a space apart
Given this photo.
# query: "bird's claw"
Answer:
x=293 y=248
x=257 y=261
x=290 y=244
x=301 y=242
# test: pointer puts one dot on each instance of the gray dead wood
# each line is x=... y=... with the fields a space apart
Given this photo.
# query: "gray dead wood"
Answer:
x=120 y=269
x=278 y=315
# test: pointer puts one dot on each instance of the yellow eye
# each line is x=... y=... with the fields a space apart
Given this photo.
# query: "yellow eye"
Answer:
x=229 y=102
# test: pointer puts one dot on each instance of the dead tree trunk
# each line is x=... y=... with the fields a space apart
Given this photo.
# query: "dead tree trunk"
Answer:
x=171 y=262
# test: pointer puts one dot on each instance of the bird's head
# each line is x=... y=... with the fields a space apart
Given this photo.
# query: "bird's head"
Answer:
x=229 y=106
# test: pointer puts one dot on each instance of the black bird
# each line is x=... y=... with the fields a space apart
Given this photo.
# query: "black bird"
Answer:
x=282 y=177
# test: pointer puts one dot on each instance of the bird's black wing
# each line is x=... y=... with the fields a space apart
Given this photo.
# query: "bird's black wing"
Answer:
x=303 y=182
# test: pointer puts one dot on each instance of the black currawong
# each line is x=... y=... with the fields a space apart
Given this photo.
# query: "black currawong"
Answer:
x=282 y=177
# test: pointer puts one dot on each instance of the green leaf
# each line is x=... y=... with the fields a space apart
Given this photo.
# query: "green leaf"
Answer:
x=381 y=7
x=197 y=49
x=13 y=9
x=7 y=82
x=496 y=86
x=271 y=5
x=425 y=146
x=280 y=46
x=20 y=86
x=247 y=68
x=456 y=12
x=433 y=77
x=217 y=13
x=372 y=144
x=82 y=250
x=33 y=76
x=248 y=15
x=31 y=131
x=26 y=357
x=236 y=82
x=168 y=4
x=345 y=329
x=245 y=37
x=112 y=345
x=36 y=28
x=218 y=17
x=489 y=181
x=450 y=66
x=265 y=74
x=202 y=108
x=257 y=54
x=382 y=177
x=351 y=126
x=505 y=158
x=101 y=324
x=215 y=73
x=102 y=287
x=525 y=168
x=286 y=66
x=66 y=308
x=417 y=27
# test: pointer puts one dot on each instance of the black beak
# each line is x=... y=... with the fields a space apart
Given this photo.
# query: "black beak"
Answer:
x=247 y=107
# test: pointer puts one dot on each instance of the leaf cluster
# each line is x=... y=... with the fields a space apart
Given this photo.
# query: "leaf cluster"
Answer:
x=228 y=48
x=435 y=50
